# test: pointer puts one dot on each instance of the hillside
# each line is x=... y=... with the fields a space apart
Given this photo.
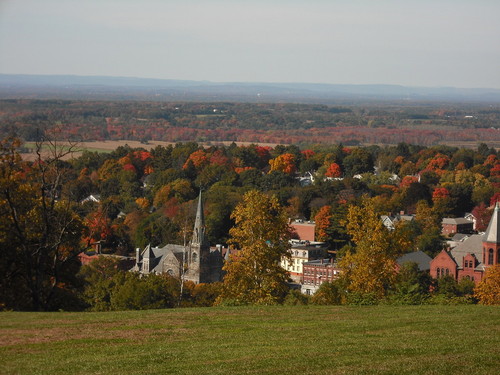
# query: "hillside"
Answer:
x=254 y=340
x=132 y=88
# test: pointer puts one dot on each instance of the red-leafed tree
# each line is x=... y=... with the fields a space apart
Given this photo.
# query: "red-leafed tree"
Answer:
x=482 y=215
x=440 y=193
x=308 y=153
x=333 y=170
x=494 y=199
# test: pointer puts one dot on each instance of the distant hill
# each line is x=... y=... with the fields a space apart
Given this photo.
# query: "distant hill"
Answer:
x=129 y=88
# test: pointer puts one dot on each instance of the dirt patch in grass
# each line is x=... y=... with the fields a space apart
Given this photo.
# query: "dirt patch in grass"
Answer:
x=101 y=331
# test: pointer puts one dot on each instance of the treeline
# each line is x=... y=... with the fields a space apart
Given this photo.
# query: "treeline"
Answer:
x=246 y=122
x=147 y=197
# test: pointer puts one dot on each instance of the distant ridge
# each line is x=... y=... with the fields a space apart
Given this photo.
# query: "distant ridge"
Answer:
x=129 y=88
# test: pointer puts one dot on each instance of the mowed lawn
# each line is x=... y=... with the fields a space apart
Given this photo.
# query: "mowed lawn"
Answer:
x=255 y=340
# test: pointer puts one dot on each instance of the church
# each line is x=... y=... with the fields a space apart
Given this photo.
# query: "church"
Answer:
x=195 y=262
x=471 y=257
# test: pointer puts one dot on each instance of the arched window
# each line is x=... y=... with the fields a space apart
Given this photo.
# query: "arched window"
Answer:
x=447 y=272
x=194 y=257
x=490 y=256
x=437 y=273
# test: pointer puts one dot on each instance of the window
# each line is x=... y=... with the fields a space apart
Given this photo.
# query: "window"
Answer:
x=195 y=257
x=490 y=256
x=437 y=272
x=447 y=272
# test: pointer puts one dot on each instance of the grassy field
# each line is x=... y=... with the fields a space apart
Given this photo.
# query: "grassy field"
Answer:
x=255 y=340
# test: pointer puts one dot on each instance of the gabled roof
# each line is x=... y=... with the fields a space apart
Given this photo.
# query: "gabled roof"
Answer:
x=456 y=220
x=419 y=257
x=472 y=245
x=492 y=234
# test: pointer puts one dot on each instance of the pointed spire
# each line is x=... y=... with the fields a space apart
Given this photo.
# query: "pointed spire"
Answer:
x=493 y=232
x=199 y=224
x=147 y=253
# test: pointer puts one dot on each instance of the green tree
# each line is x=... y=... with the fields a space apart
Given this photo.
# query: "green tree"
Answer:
x=262 y=234
x=412 y=286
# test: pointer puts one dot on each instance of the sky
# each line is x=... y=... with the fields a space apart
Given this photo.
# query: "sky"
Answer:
x=432 y=43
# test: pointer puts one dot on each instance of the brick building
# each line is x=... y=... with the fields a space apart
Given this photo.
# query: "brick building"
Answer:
x=317 y=272
x=470 y=258
x=456 y=225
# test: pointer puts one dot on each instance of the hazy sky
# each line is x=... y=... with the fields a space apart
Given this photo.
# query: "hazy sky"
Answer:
x=415 y=43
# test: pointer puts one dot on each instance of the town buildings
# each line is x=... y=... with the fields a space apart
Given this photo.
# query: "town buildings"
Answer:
x=302 y=252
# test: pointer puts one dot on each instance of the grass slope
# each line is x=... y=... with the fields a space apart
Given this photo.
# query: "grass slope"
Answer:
x=255 y=340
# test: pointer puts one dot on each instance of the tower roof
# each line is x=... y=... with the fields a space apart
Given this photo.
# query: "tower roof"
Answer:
x=199 y=224
x=148 y=253
x=493 y=232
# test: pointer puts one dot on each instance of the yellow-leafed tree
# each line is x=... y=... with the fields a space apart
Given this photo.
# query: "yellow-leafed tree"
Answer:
x=261 y=233
x=488 y=290
x=370 y=268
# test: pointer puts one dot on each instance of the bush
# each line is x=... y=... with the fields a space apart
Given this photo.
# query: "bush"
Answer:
x=295 y=297
x=329 y=293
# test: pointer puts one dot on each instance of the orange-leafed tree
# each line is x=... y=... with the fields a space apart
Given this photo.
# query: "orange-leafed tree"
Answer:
x=284 y=163
x=98 y=227
x=323 y=220
x=199 y=158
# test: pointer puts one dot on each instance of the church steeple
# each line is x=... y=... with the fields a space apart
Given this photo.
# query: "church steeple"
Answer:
x=492 y=234
x=199 y=225
x=491 y=239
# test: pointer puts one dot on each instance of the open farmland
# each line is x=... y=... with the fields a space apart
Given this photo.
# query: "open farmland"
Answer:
x=255 y=340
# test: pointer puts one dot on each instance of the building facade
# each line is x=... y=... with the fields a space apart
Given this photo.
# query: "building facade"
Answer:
x=317 y=272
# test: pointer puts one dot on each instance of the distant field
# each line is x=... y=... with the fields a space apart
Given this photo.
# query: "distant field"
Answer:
x=255 y=340
x=108 y=146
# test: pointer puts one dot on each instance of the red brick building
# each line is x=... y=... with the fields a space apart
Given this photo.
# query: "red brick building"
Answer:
x=317 y=272
x=456 y=225
x=471 y=257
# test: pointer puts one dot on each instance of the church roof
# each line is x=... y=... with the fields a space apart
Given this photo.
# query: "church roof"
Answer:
x=419 y=257
x=472 y=245
x=493 y=232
